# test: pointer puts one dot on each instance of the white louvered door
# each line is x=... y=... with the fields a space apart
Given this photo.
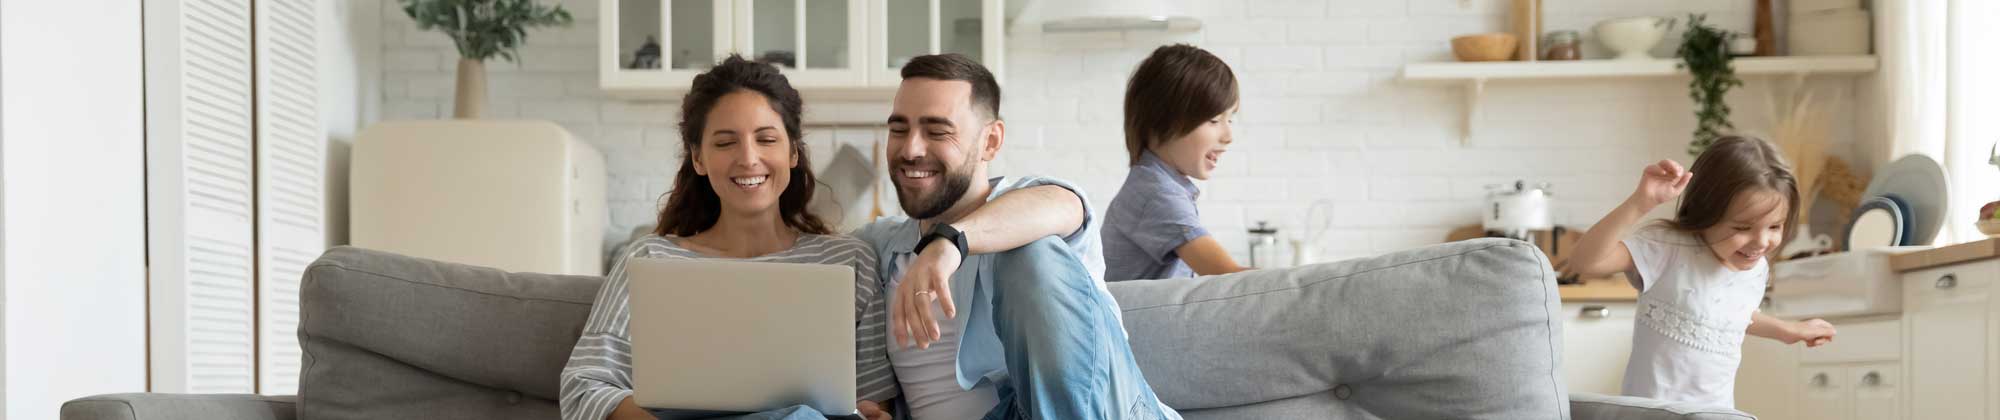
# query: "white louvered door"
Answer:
x=234 y=188
x=200 y=212
x=290 y=204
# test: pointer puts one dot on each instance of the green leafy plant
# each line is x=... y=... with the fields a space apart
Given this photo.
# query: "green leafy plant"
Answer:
x=1704 y=53
x=484 y=29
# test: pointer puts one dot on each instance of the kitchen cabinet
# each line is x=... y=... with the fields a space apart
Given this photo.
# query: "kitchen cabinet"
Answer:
x=1950 y=315
x=1856 y=373
x=1597 y=340
x=1858 y=392
x=1937 y=358
x=826 y=48
x=1767 y=381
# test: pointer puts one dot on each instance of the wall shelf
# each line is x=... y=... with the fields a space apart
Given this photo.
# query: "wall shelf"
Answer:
x=1474 y=76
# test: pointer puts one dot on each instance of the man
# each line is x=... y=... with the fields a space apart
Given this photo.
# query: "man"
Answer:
x=995 y=305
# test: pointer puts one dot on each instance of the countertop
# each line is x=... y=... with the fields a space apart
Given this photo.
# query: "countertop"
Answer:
x=1604 y=289
x=1938 y=257
x=1613 y=288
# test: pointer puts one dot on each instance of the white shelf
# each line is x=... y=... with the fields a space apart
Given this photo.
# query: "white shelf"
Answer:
x=1474 y=76
x=1659 y=67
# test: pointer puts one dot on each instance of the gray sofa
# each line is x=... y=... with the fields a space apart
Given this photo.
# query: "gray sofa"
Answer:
x=1461 y=330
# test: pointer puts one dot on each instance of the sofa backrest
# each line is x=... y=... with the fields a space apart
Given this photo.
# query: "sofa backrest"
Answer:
x=1461 y=330
x=390 y=336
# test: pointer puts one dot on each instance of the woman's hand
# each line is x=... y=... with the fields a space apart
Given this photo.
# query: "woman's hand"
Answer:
x=926 y=280
x=871 y=410
x=1660 y=183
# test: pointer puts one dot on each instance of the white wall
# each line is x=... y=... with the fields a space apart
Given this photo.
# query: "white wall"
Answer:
x=1324 y=117
x=74 y=216
x=350 y=57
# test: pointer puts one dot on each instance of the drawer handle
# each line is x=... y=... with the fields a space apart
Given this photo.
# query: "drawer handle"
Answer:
x=1819 y=380
x=1947 y=281
x=1595 y=311
x=1871 y=379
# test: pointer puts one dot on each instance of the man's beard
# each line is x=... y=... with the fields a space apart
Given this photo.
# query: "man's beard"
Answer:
x=955 y=184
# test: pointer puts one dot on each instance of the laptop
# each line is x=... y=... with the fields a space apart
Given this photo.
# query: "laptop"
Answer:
x=726 y=337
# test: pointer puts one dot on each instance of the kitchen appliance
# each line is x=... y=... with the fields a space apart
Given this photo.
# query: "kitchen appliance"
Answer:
x=1263 y=246
x=1919 y=182
x=1632 y=38
x=1514 y=211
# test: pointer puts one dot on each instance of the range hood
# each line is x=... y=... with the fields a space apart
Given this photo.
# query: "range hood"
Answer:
x=1108 y=16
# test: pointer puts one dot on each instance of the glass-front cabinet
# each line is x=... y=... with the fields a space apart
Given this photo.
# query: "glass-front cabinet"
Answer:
x=912 y=28
x=656 y=47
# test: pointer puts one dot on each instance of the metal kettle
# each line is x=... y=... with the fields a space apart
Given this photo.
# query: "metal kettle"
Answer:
x=1517 y=211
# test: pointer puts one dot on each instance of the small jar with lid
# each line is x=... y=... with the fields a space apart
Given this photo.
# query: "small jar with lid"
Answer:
x=1562 y=45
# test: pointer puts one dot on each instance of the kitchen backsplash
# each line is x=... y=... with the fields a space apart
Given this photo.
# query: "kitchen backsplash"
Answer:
x=1323 y=117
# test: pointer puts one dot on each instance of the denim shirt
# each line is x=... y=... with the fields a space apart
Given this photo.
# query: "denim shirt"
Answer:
x=1146 y=224
x=979 y=353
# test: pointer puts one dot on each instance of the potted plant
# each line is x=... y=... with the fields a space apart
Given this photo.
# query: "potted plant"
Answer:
x=481 y=29
x=1704 y=52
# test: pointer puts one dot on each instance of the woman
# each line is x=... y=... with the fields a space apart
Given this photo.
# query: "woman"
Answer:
x=741 y=194
x=1178 y=110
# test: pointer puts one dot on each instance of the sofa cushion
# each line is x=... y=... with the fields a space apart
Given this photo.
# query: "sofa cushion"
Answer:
x=1607 y=407
x=389 y=336
x=1460 y=330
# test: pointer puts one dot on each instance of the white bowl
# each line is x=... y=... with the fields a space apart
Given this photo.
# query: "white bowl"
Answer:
x=1631 y=38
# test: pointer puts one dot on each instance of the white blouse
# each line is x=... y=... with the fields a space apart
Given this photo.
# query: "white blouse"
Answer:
x=1692 y=314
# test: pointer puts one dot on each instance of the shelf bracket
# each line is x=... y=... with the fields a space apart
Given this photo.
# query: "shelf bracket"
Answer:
x=1475 y=99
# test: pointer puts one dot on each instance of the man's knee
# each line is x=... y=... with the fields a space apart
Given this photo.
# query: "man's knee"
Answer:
x=1045 y=265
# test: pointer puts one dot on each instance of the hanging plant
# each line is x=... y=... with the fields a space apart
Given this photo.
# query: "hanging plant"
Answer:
x=1704 y=52
x=481 y=29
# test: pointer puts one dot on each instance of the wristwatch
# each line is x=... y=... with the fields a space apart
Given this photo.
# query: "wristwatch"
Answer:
x=945 y=232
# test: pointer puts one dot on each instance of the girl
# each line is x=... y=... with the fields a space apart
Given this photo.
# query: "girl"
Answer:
x=1702 y=273
x=1178 y=109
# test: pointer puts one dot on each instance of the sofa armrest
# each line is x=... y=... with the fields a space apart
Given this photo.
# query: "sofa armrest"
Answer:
x=147 y=406
x=1584 y=406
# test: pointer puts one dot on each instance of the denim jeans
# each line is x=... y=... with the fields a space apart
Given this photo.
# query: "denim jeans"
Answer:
x=1067 y=356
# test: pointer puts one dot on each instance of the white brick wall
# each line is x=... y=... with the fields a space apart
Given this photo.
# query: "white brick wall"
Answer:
x=1323 y=116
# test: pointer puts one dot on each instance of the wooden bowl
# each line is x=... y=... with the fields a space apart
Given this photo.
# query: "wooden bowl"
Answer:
x=1494 y=46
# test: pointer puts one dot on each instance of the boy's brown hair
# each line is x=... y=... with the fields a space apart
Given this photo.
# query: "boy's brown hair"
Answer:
x=1173 y=92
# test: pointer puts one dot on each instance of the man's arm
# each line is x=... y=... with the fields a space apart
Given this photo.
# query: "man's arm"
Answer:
x=1009 y=221
x=1018 y=217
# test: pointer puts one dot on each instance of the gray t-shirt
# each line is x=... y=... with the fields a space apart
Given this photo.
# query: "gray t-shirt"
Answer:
x=1152 y=216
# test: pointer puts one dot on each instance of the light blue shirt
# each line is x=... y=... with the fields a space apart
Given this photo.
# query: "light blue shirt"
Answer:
x=1146 y=224
x=979 y=353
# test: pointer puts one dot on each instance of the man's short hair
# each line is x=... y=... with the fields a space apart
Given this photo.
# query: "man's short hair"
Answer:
x=951 y=66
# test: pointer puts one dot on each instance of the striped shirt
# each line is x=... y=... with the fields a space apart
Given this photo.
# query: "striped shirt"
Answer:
x=599 y=373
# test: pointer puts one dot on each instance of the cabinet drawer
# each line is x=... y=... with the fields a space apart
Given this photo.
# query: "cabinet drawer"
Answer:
x=1949 y=283
x=1858 y=342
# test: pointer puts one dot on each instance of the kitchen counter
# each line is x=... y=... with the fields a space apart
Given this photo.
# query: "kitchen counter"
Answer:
x=1937 y=257
x=1604 y=289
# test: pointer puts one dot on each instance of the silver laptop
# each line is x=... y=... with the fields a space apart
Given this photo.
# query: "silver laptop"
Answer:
x=712 y=337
